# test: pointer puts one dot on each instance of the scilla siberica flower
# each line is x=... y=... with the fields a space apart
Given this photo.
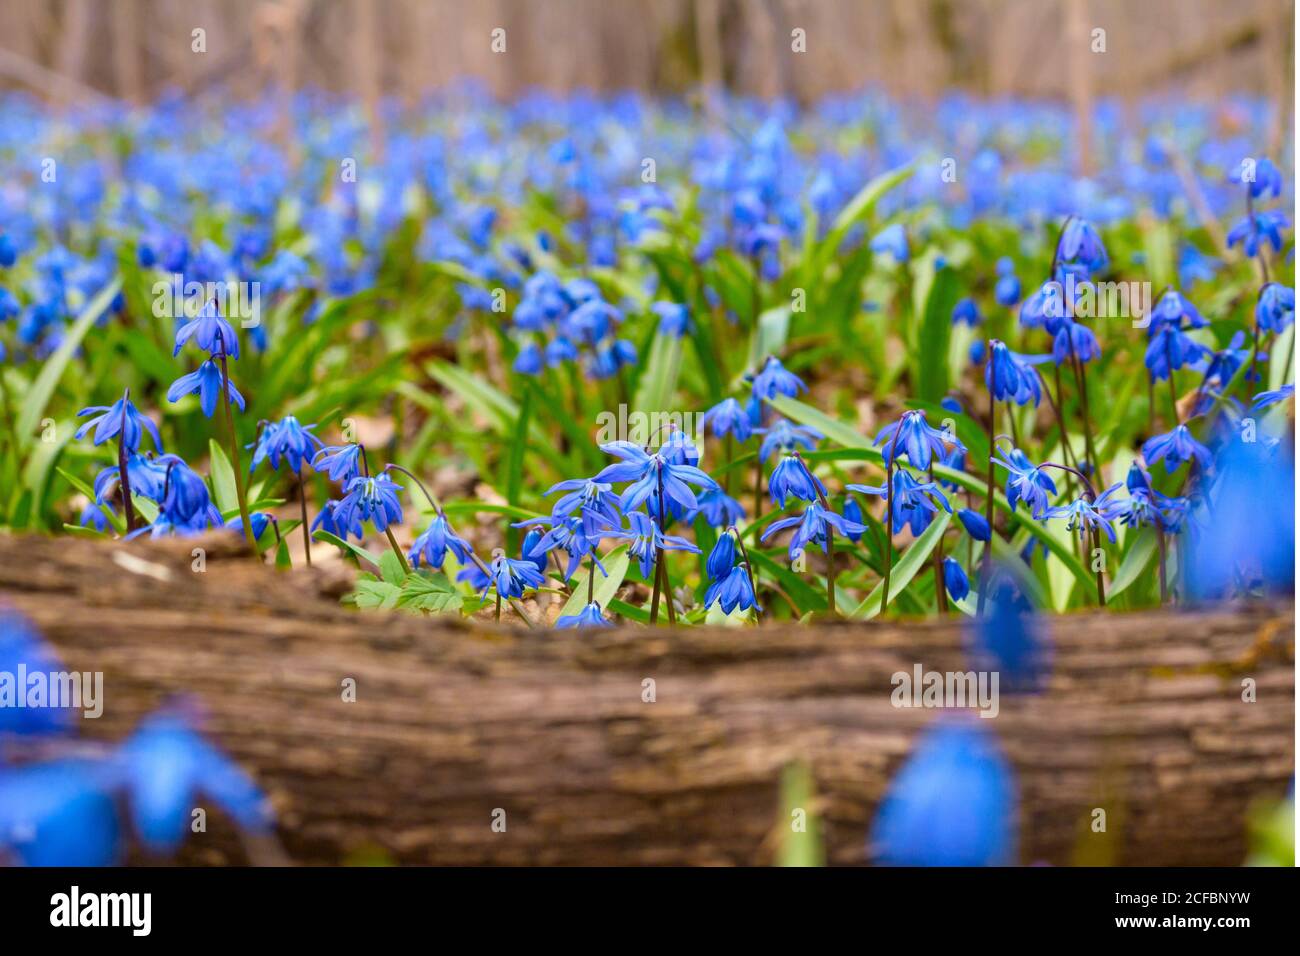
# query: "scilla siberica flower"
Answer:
x=511 y=576
x=589 y=616
x=674 y=319
x=167 y=767
x=259 y=520
x=340 y=462
x=1275 y=307
x=913 y=502
x=1010 y=377
x=1080 y=243
x=722 y=558
x=1084 y=515
x=576 y=534
x=285 y=439
x=893 y=241
x=1264 y=226
x=432 y=545
x=1074 y=340
x=966 y=312
x=368 y=498
x=792 y=477
x=784 y=436
x=210 y=332
x=954 y=579
x=976 y=526
x=645 y=539
x=1007 y=290
x=1266 y=399
x=811 y=528
x=147 y=476
x=1008 y=637
x=729 y=417
x=1174 y=448
x=1169 y=350
x=774 y=379
x=120 y=417
x=718 y=508
x=1026 y=482
x=648 y=473
x=733 y=591
x=912 y=435
x=587 y=495
x=22 y=647
x=952 y=803
x=1263 y=179
x=206 y=381
x=59 y=813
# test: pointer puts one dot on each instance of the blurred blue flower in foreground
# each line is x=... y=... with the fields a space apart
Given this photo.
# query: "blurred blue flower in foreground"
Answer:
x=952 y=803
x=59 y=813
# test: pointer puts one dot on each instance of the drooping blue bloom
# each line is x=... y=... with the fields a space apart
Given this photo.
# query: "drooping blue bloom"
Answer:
x=1074 y=340
x=585 y=494
x=1169 y=350
x=892 y=240
x=1224 y=364
x=1007 y=290
x=1084 y=515
x=1275 y=307
x=853 y=513
x=167 y=767
x=648 y=473
x=511 y=576
x=186 y=503
x=912 y=435
x=260 y=521
x=966 y=312
x=718 y=508
x=147 y=477
x=954 y=579
x=811 y=528
x=1009 y=638
x=1195 y=266
x=1080 y=243
x=325 y=520
x=976 y=526
x=59 y=813
x=577 y=535
x=1174 y=448
x=340 y=462
x=527 y=546
x=1011 y=377
x=1261 y=178
x=368 y=498
x=206 y=381
x=1173 y=308
x=432 y=545
x=774 y=379
x=589 y=616
x=210 y=332
x=120 y=417
x=92 y=516
x=645 y=539
x=792 y=477
x=529 y=359
x=1026 y=482
x=1264 y=226
x=733 y=591
x=287 y=439
x=785 y=436
x=913 y=503
x=729 y=417
x=22 y=651
x=722 y=558
x=952 y=803
x=674 y=319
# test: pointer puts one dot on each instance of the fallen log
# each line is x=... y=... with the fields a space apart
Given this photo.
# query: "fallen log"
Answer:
x=455 y=722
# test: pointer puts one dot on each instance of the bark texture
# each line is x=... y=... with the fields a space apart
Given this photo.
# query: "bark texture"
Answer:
x=1144 y=717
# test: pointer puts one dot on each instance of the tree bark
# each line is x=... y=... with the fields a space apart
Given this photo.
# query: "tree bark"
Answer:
x=455 y=721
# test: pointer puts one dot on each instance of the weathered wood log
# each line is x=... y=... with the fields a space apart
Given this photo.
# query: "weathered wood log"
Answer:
x=1144 y=716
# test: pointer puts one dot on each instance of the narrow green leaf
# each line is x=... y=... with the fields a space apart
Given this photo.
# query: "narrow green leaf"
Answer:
x=1134 y=563
x=616 y=563
x=913 y=560
x=338 y=542
x=223 y=478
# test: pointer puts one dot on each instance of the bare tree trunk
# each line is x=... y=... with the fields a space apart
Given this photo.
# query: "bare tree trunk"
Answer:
x=453 y=722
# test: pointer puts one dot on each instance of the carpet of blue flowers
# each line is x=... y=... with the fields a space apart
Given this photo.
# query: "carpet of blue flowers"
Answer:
x=893 y=330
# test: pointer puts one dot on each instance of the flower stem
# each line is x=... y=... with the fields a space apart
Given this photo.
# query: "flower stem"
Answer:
x=749 y=568
x=302 y=502
x=889 y=516
x=591 y=579
x=392 y=541
x=940 y=589
x=235 y=463
x=662 y=580
x=986 y=565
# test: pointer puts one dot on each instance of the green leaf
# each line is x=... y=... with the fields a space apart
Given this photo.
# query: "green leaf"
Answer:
x=338 y=542
x=38 y=396
x=864 y=203
x=905 y=569
x=424 y=591
x=616 y=563
x=770 y=335
x=376 y=595
x=623 y=609
x=223 y=479
x=390 y=568
x=654 y=393
x=1134 y=563
x=518 y=447
x=116 y=520
x=932 y=343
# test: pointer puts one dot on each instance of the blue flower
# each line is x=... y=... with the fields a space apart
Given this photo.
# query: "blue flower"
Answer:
x=167 y=766
x=729 y=417
x=718 y=508
x=146 y=475
x=1224 y=364
x=912 y=435
x=976 y=526
x=434 y=543
x=59 y=813
x=853 y=514
x=1007 y=290
x=210 y=332
x=773 y=379
x=1266 y=226
x=1173 y=308
x=285 y=439
x=92 y=516
x=586 y=494
x=1084 y=515
x=1081 y=243
x=340 y=462
x=647 y=473
x=120 y=417
x=23 y=651
x=1008 y=638
x=186 y=504
x=966 y=312
x=529 y=359
x=733 y=591
x=1169 y=350
x=206 y=381
x=512 y=576
x=955 y=580
x=792 y=477
x=892 y=240
x=1074 y=340
x=260 y=521
x=368 y=498
x=913 y=502
x=578 y=536
x=1174 y=448
x=784 y=436
x=1010 y=377
x=645 y=539
x=326 y=521
x=1267 y=179
x=1026 y=482
x=527 y=546
x=589 y=616
x=812 y=528
x=722 y=558
x=1266 y=399
x=674 y=319
x=952 y=803
x=1275 y=307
